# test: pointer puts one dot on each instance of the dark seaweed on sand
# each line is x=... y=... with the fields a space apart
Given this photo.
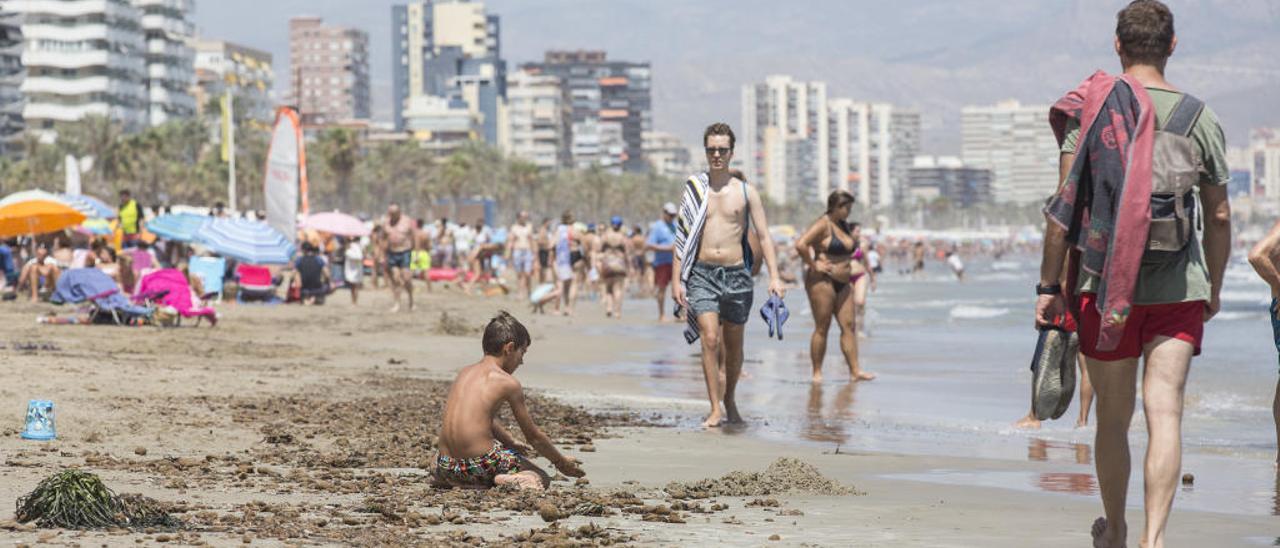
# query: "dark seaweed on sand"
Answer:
x=73 y=499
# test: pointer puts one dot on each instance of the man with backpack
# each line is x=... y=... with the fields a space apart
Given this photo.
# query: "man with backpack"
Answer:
x=1135 y=154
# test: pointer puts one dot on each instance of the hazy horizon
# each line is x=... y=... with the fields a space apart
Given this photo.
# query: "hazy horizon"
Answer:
x=933 y=56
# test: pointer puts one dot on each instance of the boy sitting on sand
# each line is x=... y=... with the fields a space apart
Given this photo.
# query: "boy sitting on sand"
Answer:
x=475 y=451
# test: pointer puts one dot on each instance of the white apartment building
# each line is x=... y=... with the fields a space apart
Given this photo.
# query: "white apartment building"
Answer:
x=11 y=76
x=170 y=58
x=782 y=144
x=1013 y=141
x=246 y=71
x=536 y=115
x=872 y=148
x=82 y=58
x=1264 y=161
x=667 y=155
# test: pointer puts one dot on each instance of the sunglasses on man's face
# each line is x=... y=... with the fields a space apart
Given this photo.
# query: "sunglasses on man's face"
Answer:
x=722 y=151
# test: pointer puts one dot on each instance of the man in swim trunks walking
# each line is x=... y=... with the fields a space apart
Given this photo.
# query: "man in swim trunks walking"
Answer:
x=1265 y=258
x=713 y=258
x=401 y=233
x=1132 y=307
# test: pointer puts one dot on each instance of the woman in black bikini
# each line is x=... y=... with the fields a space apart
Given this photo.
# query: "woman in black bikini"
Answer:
x=827 y=248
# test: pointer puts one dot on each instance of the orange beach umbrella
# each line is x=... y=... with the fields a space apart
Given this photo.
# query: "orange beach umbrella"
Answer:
x=37 y=217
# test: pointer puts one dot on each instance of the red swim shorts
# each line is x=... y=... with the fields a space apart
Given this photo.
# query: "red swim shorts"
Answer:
x=662 y=275
x=1182 y=321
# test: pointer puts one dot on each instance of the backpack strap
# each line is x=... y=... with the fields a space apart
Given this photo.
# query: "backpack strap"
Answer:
x=1184 y=116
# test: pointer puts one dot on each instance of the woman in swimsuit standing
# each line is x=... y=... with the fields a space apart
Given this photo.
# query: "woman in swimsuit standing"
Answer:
x=861 y=275
x=826 y=249
x=610 y=260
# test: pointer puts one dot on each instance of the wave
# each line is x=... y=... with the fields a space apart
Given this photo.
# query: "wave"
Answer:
x=1263 y=297
x=1236 y=316
x=969 y=312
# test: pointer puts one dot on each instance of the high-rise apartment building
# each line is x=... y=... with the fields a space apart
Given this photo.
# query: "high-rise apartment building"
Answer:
x=1264 y=161
x=536 y=115
x=170 y=60
x=1013 y=141
x=947 y=177
x=449 y=49
x=329 y=71
x=872 y=147
x=245 y=71
x=667 y=155
x=783 y=145
x=609 y=107
x=11 y=76
x=83 y=57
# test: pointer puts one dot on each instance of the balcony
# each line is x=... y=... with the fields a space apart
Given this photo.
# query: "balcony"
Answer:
x=70 y=8
x=80 y=33
x=71 y=113
x=80 y=86
x=169 y=24
x=82 y=59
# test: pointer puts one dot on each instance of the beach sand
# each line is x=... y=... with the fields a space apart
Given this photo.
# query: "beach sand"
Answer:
x=314 y=425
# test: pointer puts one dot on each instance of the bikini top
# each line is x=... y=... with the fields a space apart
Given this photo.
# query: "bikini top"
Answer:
x=837 y=246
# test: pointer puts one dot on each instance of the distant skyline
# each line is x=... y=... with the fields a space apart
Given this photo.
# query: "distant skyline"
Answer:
x=936 y=56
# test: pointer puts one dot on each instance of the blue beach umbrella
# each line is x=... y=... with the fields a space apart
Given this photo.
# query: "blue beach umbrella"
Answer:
x=92 y=208
x=247 y=241
x=177 y=227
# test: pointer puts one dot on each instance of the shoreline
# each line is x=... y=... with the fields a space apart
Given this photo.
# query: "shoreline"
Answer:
x=175 y=374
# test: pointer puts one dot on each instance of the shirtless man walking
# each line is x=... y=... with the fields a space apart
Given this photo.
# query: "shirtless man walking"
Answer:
x=520 y=251
x=714 y=265
x=401 y=233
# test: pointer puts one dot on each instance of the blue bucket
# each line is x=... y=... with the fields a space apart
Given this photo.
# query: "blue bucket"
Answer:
x=40 y=424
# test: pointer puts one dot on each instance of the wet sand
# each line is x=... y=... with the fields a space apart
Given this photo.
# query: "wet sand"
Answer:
x=288 y=425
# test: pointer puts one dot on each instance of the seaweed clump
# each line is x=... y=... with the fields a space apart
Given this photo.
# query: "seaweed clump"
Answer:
x=74 y=499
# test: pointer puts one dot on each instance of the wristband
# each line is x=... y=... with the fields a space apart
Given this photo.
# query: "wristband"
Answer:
x=1054 y=289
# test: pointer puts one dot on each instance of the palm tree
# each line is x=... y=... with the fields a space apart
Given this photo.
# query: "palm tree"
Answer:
x=340 y=151
x=527 y=177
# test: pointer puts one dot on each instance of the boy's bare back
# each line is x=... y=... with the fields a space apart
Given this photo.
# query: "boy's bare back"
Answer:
x=474 y=401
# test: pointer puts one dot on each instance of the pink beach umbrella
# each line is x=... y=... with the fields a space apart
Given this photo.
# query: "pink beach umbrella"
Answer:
x=339 y=224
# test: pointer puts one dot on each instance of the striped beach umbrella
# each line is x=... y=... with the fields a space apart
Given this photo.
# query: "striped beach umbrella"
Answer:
x=247 y=241
x=33 y=195
x=92 y=208
x=95 y=227
x=177 y=227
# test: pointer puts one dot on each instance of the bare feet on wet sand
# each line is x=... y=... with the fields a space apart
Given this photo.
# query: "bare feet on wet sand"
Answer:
x=1107 y=537
x=714 y=420
x=731 y=409
x=817 y=378
x=860 y=375
x=1028 y=422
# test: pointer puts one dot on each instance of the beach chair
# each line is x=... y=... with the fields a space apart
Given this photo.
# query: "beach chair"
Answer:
x=107 y=303
x=143 y=262
x=211 y=271
x=255 y=284
x=169 y=287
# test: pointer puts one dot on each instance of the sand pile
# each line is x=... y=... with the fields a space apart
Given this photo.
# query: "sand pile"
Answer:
x=785 y=475
x=395 y=429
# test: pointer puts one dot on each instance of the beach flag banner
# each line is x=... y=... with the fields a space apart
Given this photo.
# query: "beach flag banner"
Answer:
x=40 y=425
x=286 y=179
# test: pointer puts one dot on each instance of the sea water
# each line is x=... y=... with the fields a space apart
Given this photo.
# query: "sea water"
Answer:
x=953 y=363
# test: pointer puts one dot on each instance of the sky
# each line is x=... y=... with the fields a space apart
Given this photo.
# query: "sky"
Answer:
x=935 y=56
